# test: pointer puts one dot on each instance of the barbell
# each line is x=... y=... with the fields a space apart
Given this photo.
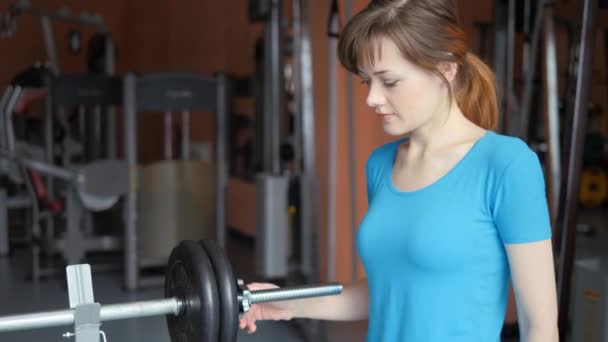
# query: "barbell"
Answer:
x=203 y=300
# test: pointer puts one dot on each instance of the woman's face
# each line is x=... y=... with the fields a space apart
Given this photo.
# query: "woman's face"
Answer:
x=404 y=96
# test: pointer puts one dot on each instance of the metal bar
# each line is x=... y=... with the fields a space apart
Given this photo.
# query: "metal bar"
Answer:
x=573 y=43
x=530 y=73
x=75 y=249
x=185 y=145
x=49 y=42
x=300 y=147
x=130 y=208
x=17 y=201
x=49 y=169
x=82 y=123
x=310 y=197
x=168 y=136
x=49 y=150
x=112 y=312
x=297 y=82
x=111 y=133
x=274 y=90
x=579 y=127
x=157 y=307
x=527 y=62
x=8 y=112
x=510 y=67
x=296 y=292
x=352 y=155
x=267 y=113
x=332 y=139
x=36 y=320
x=110 y=69
x=4 y=242
x=500 y=57
x=3 y=101
x=221 y=157
x=34 y=232
x=97 y=135
x=272 y=241
x=46 y=168
x=63 y=14
x=552 y=89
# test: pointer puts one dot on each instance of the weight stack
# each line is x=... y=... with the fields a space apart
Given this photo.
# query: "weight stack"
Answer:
x=590 y=311
x=272 y=242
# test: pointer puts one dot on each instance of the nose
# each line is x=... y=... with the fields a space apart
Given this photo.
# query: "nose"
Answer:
x=375 y=98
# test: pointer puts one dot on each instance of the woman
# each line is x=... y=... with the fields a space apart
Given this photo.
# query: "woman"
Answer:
x=456 y=211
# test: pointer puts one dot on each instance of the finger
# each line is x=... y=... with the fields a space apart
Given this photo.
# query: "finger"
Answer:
x=252 y=328
x=246 y=321
x=254 y=286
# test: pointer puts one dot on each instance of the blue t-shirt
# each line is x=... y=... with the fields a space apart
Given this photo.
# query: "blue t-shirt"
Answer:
x=436 y=265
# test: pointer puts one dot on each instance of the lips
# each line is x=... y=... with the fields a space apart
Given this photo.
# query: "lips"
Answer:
x=383 y=116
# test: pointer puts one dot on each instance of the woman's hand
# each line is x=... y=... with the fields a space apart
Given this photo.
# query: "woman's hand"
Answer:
x=264 y=311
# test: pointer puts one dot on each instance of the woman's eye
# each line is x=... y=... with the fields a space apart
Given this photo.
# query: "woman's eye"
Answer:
x=390 y=84
x=366 y=82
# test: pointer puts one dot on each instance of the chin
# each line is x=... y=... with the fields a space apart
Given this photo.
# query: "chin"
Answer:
x=396 y=131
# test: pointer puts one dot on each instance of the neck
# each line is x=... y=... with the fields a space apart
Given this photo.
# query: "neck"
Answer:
x=439 y=131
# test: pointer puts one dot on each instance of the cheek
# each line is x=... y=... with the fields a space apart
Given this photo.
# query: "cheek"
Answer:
x=417 y=96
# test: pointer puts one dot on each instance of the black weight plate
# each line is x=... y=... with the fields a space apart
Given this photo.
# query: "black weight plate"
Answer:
x=226 y=285
x=191 y=278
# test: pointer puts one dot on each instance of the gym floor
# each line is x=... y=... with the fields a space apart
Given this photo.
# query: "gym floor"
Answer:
x=20 y=296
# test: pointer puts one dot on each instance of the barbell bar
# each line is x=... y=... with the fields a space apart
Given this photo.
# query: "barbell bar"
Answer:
x=110 y=312
x=155 y=307
x=195 y=268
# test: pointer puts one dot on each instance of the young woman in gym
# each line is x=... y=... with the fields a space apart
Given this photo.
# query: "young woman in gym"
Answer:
x=456 y=211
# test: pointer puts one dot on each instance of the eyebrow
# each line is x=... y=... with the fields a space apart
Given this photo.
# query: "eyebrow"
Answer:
x=379 y=72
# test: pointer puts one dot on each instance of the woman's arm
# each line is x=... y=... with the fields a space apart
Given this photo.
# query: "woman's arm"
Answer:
x=533 y=276
x=351 y=305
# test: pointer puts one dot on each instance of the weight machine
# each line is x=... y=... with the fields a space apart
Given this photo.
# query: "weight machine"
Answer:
x=88 y=187
x=169 y=93
x=565 y=156
x=8 y=29
x=284 y=249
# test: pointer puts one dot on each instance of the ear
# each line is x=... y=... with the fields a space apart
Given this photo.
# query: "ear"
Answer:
x=449 y=70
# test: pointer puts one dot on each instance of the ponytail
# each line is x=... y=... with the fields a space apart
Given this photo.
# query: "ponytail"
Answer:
x=476 y=93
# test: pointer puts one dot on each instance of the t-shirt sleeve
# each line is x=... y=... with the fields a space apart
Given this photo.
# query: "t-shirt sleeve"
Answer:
x=520 y=210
